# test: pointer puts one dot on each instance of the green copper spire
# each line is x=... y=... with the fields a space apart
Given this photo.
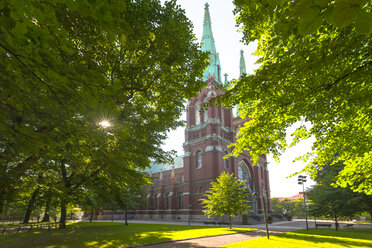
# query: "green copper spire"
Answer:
x=242 y=63
x=208 y=45
x=242 y=71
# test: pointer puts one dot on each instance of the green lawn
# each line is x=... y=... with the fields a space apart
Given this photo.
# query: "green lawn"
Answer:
x=313 y=238
x=107 y=234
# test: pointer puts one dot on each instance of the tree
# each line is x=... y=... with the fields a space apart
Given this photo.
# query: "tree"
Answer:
x=315 y=66
x=345 y=202
x=107 y=193
x=367 y=205
x=333 y=202
x=66 y=65
x=329 y=201
x=276 y=205
x=288 y=207
x=227 y=197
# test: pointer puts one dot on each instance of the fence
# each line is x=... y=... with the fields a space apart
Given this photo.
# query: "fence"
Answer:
x=14 y=224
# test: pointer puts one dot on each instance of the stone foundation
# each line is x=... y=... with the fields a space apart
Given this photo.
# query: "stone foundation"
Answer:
x=178 y=215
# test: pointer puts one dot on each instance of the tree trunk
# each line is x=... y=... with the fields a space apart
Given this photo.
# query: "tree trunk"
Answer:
x=67 y=184
x=230 y=221
x=2 y=202
x=336 y=224
x=31 y=205
x=46 y=216
x=91 y=214
x=62 y=221
x=126 y=217
x=6 y=208
x=112 y=214
x=370 y=214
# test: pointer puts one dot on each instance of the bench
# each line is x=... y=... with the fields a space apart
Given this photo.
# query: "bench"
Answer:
x=328 y=225
x=223 y=223
x=349 y=226
x=209 y=222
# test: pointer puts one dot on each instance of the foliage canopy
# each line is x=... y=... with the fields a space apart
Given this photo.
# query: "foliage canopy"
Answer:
x=66 y=65
x=315 y=67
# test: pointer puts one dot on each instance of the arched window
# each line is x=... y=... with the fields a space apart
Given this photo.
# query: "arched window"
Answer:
x=198 y=159
x=205 y=114
x=223 y=116
x=197 y=114
x=225 y=161
x=167 y=201
x=243 y=174
x=155 y=202
x=179 y=200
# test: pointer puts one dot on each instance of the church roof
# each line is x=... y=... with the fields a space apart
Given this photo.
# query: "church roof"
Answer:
x=156 y=167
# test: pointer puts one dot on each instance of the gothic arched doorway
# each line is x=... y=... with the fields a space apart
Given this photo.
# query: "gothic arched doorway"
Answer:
x=245 y=174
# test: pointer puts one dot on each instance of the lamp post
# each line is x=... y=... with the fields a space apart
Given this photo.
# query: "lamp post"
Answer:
x=190 y=207
x=302 y=180
x=264 y=205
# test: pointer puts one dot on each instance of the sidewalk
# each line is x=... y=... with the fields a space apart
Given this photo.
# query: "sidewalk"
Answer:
x=209 y=242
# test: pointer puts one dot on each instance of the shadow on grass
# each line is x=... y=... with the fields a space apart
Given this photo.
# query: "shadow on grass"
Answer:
x=104 y=234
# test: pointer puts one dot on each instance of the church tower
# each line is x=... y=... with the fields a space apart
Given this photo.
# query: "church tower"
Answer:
x=210 y=129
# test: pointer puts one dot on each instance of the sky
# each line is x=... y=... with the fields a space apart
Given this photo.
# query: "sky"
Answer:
x=228 y=44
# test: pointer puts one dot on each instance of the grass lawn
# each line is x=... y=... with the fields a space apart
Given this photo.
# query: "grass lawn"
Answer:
x=313 y=238
x=107 y=234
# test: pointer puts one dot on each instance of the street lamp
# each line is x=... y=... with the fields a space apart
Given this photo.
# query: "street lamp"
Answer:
x=190 y=207
x=302 y=180
x=264 y=205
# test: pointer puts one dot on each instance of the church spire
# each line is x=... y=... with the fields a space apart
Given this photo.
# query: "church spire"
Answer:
x=208 y=45
x=242 y=64
x=225 y=82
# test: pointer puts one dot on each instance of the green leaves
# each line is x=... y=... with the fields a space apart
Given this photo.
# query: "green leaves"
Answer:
x=316 y=71
x=340 y=13
x=310 y=22
x=20 y=28
x=302 y=8
x=344 y=12
x=322 y=3
x=68 y=64
x=363 y=22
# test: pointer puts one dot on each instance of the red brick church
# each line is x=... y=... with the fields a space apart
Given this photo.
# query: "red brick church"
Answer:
x=177 y=187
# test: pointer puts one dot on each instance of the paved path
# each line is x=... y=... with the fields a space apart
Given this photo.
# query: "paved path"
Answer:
x=211 y=242
x=220 y=240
